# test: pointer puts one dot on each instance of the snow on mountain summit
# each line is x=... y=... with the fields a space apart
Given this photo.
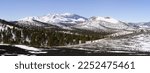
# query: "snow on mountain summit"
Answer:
x=69 y=20
x=106 y=19
x=104 y=23
x=57 y=18
x=27 y=19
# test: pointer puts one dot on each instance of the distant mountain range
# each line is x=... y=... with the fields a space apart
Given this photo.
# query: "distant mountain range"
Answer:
x=71 y=21
x=74 y=21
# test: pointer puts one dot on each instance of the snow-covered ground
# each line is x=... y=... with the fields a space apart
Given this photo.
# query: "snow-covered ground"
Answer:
x=7 y=49
x=27 y=47
x=135 y=43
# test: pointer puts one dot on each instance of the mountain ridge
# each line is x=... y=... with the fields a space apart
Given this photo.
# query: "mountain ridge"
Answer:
x=70 y=21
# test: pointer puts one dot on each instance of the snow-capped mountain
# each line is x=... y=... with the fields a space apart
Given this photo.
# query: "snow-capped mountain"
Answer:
x=57 y=18
x=146 y=25
x=65 y=20
x=104 y=23
x=69 y=21
x=141 y=25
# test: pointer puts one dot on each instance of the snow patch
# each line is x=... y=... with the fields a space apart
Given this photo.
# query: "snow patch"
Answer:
x=27 y=48
x=106 y=19
x=27 y=19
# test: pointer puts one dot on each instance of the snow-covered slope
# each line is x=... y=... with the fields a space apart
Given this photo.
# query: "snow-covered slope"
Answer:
x=104 y=23
x=68 y=20
x=7 y=49
x=64 y=21
x=57 y=18
x=136 y=43
x=141 y=25
x=71 y=21
x=106 y=19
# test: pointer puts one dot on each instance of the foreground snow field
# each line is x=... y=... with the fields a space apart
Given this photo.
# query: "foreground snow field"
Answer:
x=124 y=44
x=6 y=49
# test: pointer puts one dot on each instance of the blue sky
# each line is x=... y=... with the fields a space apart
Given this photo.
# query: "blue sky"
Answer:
x=126 y=10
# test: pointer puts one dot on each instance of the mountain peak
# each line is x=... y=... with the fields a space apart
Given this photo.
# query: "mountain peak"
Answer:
x=60 y=14
x=27 y=19
x=106 y=19
x=68 y=14
x=57 y=18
